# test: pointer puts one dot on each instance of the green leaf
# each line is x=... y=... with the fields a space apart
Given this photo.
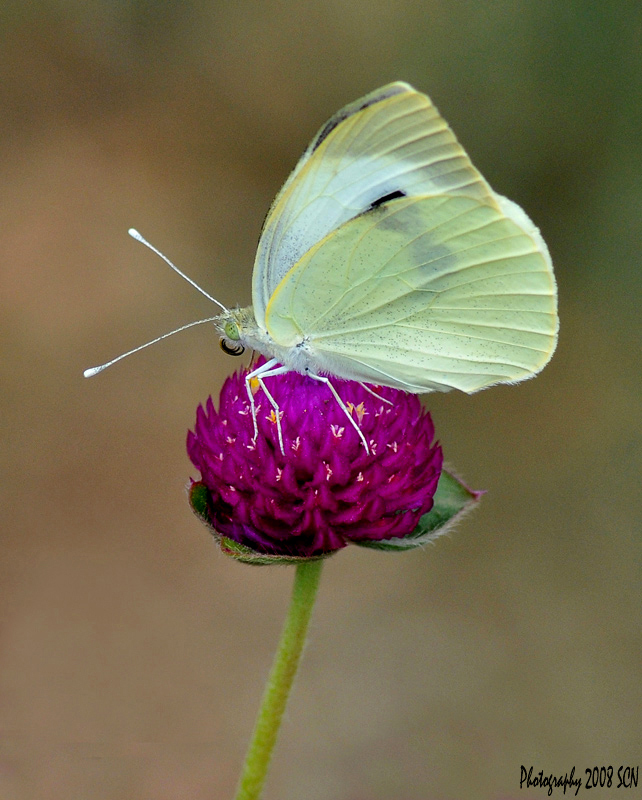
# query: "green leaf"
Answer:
x=452 y=500
x=198 y=496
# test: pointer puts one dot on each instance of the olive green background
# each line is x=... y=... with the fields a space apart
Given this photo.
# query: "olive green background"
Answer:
x=132 y=653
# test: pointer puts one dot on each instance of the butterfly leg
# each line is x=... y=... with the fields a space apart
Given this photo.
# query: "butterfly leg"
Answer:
x=248 y=388
x=342 y=405
x=277 y=411
x=267 y=370
x=374 y=394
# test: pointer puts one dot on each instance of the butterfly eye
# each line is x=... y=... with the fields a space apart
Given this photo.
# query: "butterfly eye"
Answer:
x=236 y=350
x=231 y=334
x=231 y=331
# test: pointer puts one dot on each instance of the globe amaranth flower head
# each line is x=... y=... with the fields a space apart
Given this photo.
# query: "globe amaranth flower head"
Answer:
x=325 y=490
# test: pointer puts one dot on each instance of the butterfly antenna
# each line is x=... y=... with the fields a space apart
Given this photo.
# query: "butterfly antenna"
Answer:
x=88 y=373
x=135 y=235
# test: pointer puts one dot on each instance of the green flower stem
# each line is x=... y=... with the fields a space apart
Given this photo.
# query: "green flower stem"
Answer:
x=277 y=690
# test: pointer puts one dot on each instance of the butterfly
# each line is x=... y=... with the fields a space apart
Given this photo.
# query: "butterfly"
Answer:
x=386 y=258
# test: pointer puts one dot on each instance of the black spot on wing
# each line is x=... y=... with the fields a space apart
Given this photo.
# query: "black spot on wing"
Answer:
x=386 y=197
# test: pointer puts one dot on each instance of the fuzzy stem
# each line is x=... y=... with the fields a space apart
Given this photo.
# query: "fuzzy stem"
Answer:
x=277 y=690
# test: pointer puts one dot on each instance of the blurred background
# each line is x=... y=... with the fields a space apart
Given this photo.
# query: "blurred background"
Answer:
x=132 y=653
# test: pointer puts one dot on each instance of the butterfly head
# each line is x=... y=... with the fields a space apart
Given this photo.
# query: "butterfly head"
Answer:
x=238 y=330
x=231 y=339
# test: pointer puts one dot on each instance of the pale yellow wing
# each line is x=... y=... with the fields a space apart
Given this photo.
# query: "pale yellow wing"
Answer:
x=388 y=144
x=423 y=294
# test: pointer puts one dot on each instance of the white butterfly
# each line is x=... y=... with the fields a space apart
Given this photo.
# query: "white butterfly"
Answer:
x=386 y=258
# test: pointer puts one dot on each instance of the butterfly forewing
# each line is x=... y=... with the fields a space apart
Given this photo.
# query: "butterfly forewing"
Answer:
x=428 y=293
x=390 y=144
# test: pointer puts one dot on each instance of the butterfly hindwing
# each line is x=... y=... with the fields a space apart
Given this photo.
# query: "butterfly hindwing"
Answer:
x=423 y=293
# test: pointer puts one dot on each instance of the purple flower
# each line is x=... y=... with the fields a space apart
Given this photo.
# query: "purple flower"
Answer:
x=325 y=491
